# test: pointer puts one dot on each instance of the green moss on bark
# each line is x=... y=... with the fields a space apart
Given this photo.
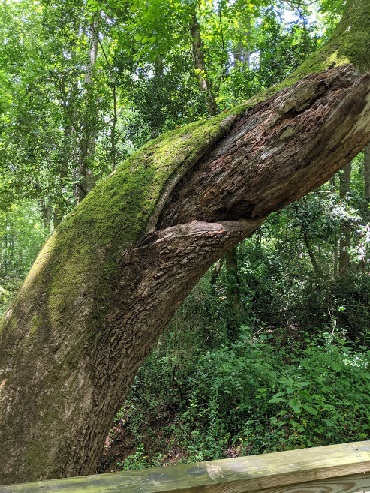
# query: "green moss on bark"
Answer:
x=353 y=35
x=78 y=265
x=131 y=194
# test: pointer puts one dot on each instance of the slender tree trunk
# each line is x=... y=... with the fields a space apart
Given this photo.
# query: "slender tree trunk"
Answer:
x=215 y=272
x=231 y=264
x=65 y=173
x=111 y=277
x=233 y=293
x=311 y=254
x=241 y=52
x=344 y=261
x=85 y=178
x=156 y=122
x=113 y=136
x=366 y=216
x=367 y=175
x=46 y=213
x=335 y=251
x=59 y=205
x=205 y=84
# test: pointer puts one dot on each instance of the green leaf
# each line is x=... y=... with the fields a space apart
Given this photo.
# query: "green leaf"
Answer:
x=309 y=409
x=295 y=405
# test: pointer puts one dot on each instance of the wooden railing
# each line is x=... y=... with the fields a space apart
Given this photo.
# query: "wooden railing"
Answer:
x=332 y=469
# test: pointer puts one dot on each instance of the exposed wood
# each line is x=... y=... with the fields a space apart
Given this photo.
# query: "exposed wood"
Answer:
x=283 y=146
x=315 y=470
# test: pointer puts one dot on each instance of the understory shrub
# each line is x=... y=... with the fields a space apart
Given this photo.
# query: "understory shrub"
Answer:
x=251 y=397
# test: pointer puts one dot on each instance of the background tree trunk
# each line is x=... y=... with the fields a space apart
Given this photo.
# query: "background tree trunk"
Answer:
x=84 y=174
x=110 y=278
x=366 y=215
x=205 y=84
x=311 y=253
x=367 y=173
x=233 y=293
x=344 y=261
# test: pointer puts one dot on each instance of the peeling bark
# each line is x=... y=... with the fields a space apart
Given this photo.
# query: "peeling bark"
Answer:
x=108 y=281
x=279 y=150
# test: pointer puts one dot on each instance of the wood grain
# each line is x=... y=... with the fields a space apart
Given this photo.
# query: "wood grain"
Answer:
x=348 y=484
x=332 y=469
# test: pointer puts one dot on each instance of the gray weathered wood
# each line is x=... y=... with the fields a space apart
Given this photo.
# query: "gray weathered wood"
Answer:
x=332 y=469
x=348 y=484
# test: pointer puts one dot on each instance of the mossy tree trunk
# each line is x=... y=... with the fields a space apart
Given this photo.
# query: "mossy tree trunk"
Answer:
x=108 y=281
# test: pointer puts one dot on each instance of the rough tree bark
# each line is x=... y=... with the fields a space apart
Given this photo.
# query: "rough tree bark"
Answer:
x=110 y=278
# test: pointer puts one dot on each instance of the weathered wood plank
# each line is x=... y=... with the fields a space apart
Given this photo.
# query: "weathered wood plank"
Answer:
x=348 y=484
x=329 y=469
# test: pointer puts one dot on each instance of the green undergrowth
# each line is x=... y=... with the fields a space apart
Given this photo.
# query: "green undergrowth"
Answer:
x=200 y=397
x=245 y=399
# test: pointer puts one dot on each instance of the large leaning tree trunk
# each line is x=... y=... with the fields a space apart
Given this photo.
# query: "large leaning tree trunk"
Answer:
x=109 y=280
